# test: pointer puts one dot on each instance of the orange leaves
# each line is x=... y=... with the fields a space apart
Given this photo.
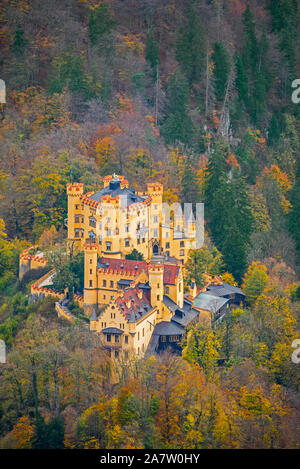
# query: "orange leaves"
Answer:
x=131 y=42
x=274 y=172
x=232 y=161
x=22 y=433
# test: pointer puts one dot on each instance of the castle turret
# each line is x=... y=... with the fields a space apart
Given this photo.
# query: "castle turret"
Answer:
x=74 y=192
x=156 y=281
x=90 y=277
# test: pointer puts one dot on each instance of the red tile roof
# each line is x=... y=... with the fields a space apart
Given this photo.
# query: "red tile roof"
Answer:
x=138 y=306
x=134 y=268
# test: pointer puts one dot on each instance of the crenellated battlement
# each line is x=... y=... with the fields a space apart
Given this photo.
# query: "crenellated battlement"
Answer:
x=75 y=188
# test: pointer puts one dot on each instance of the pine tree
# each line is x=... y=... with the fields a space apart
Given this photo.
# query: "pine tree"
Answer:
x=220 y=58
x=190 y=191
x=285 y=19
x=101 y=22
x=251 y=46
x=228 y=212
x=273 y=131
x=241 y=81
x=190 y=46
x=294 y=215
x=152 y=50
x=19 y=43
x=178 y=124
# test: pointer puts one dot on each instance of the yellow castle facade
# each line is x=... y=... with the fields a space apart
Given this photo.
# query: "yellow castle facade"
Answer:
x=125 y=298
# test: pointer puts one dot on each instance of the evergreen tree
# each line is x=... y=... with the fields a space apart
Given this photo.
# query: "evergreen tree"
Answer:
x=285 y=20
x=294 y=215
x=190 y=46
x=251 y=44
x=273 y=131
x=190 y=189
x=101 y=22
x=228 y=212
x=178 y=124
x=19 y=43
x=241 y=81
x=220 y=58
x=152 y=50
x=135 y=255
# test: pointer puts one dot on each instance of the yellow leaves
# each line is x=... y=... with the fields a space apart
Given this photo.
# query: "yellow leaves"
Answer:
x=132 y=43
x=227 y=277
x=254 y=403
x=40 y=110
x=22 y=433
x=274 y=172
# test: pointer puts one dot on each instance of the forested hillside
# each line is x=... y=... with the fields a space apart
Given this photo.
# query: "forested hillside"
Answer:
x=195 y=94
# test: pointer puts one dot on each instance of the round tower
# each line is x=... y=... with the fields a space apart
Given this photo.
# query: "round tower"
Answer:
x=156 y=282
x=90 y=295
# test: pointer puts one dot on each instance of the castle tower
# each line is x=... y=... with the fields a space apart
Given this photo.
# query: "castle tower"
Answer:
x=90 y=295
x=74 y=192
x=156 y=281
x=155 y=191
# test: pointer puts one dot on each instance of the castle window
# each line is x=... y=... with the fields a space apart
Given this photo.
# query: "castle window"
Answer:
x=181 y=252
x=108 y=338
x=126 y=339
x=117 y=231
x=117 y=339
x=111 y=284
x=77 y=233
x=167 y=245
x=157 y=297
x=92 y=235
x=104 y=297
x=93 y=222
x=127 y=228
x=91 y=283
x=127 y=242
x=91 y=261
x=126 y=354
x=108 y=245
x=143 y=239
x=108 y=232
x=82 y=232
x=76 y=207
x=91 y=271
x=155 y=207
x=155 y=233
x=181 y=244
x=76 y=218
x=100 y=239
x=167 y=253
x=138 y=239
x=82 y=218
x=155 y=219
x=167 y=234
x=104 y=283
x=116 y=353
x=167 y=290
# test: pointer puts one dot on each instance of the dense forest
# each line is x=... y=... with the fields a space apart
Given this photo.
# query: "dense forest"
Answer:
x=195 y=94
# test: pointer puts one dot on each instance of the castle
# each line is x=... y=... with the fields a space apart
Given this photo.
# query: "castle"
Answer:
x=136 y=306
